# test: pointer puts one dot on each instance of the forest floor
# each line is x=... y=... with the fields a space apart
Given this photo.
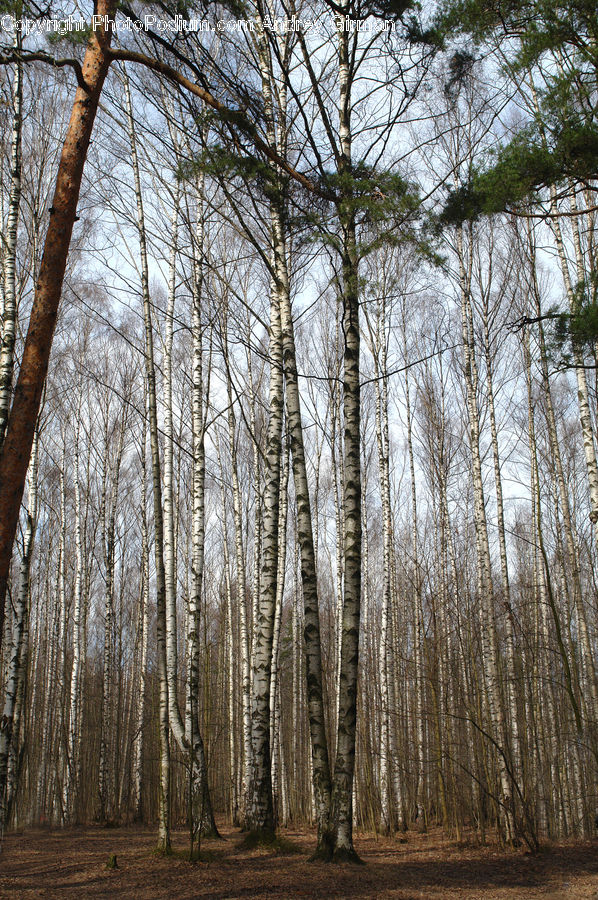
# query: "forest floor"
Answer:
x=73 y=864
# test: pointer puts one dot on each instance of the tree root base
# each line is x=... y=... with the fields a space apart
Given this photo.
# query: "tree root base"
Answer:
x=338 y=856
x=211 y=833
x=344 y=855
x=267 y=839
x=258 y=837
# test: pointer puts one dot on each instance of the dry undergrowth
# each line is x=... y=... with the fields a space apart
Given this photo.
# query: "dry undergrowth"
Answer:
x=73 y=864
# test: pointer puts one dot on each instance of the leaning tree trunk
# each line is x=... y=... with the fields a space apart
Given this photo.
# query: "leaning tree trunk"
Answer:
x=16 y=449
x=320 y=769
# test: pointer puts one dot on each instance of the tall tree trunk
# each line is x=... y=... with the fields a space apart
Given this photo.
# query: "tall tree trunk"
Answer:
x=202 y=816
x=138 y=743
x=241 y=588
x=378 y=341
x=71 y=782
x=9 y=250
x=260 y=813
x=418 y=627
x=342 y=786
x=16 y=449
x=150 y=375
x=275 y=736
x=489 y=647
x=17 y=659
x=504 y=568
x=108 y=516
x=322 y=784
x=235 y=770
x=585 y=421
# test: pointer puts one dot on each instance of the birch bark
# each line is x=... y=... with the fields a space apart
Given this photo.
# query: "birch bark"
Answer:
x=16 y=673
x=150 y=376
x=108 y=517
x=313 y=646
x=490 y=668
x=378 y=341
x=138 y=743
x=342 y=786
x=241 y=587
x=71 y=782
x=202 y=816
x=9 y=250
x=260 y=814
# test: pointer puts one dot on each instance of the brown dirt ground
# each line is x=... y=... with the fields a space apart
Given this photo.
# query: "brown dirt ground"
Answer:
x=72 y=864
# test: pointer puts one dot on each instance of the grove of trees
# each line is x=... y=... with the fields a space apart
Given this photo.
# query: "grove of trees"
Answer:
x=298 y=418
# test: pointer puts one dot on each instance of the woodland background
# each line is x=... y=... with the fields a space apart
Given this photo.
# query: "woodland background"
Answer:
x=417 y=318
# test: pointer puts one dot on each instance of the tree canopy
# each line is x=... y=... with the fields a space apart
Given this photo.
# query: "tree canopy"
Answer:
x=548 y=49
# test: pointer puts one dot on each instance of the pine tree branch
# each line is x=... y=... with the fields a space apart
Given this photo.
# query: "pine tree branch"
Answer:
x=233 y=116
x=40 y=56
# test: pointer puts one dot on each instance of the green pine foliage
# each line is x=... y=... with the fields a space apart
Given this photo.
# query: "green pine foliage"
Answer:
x=539 y=25
x=220 y=161
x=562 y=143
x=517 y=172
x=578 y=329
x=386 y=207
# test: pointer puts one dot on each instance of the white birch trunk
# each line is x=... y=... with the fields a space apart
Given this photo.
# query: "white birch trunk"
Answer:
x=275 y=736
x=8 y=328
x=342 y=789
x=547 y=709
x=138 y=743
x=9 y=729
x=106 y=770
x=260 y=816
x=202 y=817
x=241 y=594
x=504 y=568
x=71 y=785
x=174 y=713
x=378 y=343
x=489 y=648
x=320 y=767
x=235 y=769
x=150 y=375
x=418 y=662
x=260 y=813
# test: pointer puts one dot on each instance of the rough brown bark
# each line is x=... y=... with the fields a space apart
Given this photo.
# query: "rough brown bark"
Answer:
x=16 y=449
